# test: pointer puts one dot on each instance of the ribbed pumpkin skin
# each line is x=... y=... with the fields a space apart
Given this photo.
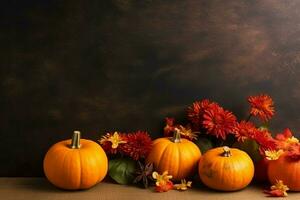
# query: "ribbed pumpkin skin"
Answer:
x=75 y=169
x=179 y=159
x=285 y=170
x=226 y=173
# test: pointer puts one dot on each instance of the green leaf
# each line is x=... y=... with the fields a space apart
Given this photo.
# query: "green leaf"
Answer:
x=122 y=170
x=204 y=143
x=264 y=127
x=250 y=147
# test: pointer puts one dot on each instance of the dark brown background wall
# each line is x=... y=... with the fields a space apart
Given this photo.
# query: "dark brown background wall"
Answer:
x=124 y=65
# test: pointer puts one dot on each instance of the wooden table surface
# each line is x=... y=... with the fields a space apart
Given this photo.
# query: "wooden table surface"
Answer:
x=41 y=189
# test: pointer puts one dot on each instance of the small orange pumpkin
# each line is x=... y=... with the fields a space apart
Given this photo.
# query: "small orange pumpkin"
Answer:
x=75 y=164
x=286 y=170
x=177 y=156
x=226 y=169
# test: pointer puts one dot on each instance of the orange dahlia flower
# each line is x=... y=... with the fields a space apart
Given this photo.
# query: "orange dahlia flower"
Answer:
x=262 y=106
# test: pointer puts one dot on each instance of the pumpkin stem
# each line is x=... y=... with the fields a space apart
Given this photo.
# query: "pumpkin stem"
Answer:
x=226 y=152
x=75 y=143
x=176 y=136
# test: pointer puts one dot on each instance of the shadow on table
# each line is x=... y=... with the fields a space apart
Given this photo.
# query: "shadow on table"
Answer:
x=203 y=188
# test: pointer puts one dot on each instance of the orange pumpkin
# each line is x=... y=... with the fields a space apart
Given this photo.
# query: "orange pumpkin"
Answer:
x=286 y=170
x=226 y=169
x=75 y=164
x=177 y=156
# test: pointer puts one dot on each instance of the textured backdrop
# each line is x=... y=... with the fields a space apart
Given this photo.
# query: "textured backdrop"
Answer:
x=124 y=65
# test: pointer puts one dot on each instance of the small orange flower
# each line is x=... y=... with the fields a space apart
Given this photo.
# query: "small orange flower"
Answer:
x=187 y=133
x=115 y=140
x=262 y=106
x=184 y=185
x=163 y=182
x=111 y=142
x=278 y=190
x=292 y=140
x=273 y=155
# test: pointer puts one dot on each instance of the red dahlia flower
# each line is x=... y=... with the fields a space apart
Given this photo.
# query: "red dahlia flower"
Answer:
x=196 y=111
x=293 y=153
x=138 y=145
x=262 y=106
x=265 y=140
x=245 y=130
x=219 y=122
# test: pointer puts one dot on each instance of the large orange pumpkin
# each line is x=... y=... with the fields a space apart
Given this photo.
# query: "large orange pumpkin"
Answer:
x=286 y=170
x=177 y=156
x=226 y=169
x=75 y=164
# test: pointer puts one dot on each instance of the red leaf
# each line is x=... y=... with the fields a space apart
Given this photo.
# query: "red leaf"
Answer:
x=275 y=193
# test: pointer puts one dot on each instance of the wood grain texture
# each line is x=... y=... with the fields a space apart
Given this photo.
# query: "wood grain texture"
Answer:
x=125 y=65
x=39 y=188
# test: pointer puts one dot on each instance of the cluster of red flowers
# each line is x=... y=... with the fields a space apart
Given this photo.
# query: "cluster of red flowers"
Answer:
x=284 y=141
x=289 y=144
x=220 y=122
x=136 y=145
x=265 y=140
x=196 y=111
x=212 y=117
x=261 y=106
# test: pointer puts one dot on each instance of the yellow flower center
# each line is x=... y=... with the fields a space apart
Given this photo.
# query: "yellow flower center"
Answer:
x=273 y=155
x=292 y=140
x=183 y=185
x=162 y=179
x=115 y=139
x=187 y=132
x=280 y=186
